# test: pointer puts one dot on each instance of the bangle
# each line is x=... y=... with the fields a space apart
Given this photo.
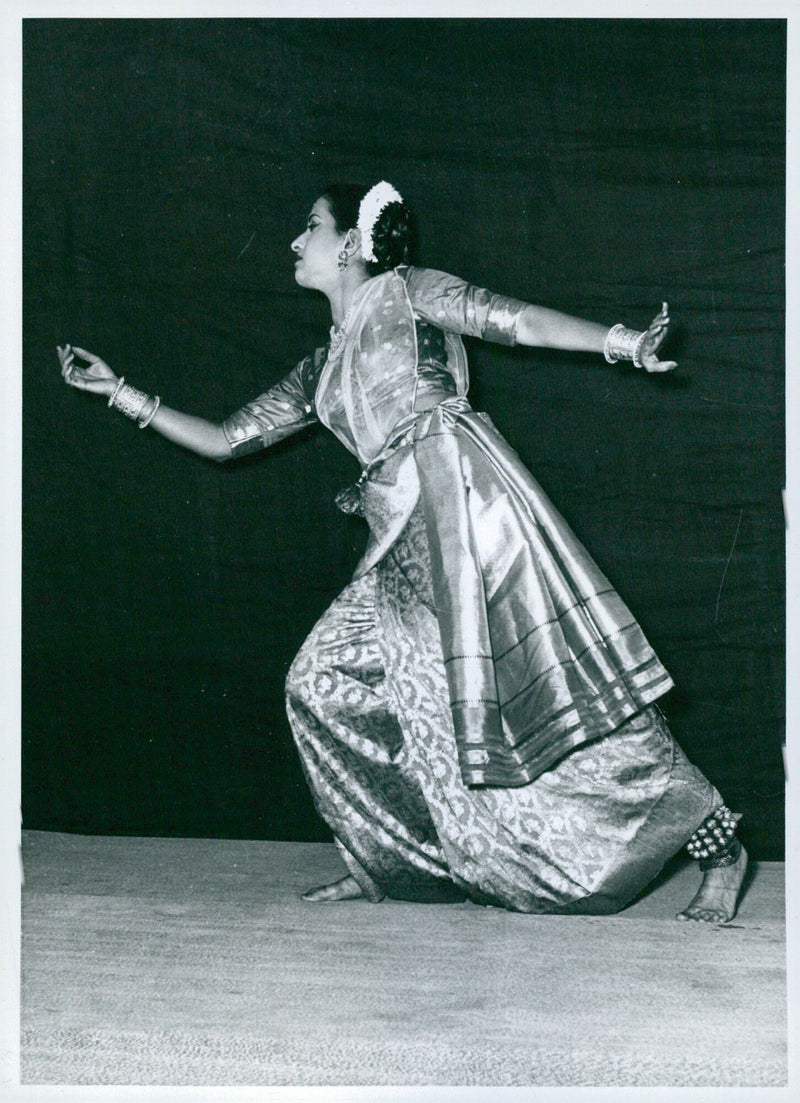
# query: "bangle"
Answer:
x=145 y=421
x=117 y=389
x=622 y=343
x=130 y=401
x=637 y=351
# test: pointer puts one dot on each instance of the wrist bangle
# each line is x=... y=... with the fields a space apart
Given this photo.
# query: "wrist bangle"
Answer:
x=145 y=421
x=637 y=351
x=130 y=401
x=608 y=344
x=622 y=343
x=117 y=389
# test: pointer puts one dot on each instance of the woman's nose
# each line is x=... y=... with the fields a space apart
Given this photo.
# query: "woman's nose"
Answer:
x=297 y=244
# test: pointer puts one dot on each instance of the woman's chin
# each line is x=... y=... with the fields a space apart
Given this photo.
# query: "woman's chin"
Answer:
x=306 y=278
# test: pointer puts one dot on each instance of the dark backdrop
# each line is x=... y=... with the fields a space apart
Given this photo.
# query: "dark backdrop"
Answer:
x=594 y=166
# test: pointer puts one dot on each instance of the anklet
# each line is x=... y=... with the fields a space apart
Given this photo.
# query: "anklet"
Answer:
x=728 y=857
x=714 y=836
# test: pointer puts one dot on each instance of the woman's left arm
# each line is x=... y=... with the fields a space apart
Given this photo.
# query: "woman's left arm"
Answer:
x=545 y=328
x=451 y=303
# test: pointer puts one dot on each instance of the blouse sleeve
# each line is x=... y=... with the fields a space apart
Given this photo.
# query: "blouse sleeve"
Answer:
x=452 y=304
x=284 y=409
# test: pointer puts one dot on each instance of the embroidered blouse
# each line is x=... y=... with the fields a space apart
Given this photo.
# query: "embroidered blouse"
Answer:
x=405 y=359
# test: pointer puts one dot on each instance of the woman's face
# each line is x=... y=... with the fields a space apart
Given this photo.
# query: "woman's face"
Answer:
x=317 y=249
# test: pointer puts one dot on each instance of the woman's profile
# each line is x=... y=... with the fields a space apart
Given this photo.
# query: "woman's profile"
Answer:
x=476 y=714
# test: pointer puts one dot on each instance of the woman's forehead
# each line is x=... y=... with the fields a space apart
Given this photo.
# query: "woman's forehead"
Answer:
x=321 y=208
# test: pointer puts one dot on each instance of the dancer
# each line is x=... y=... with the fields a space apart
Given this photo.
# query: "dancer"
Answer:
x=476 y=713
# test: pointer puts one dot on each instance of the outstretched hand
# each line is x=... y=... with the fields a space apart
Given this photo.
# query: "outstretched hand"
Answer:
x=94 y=375
x=656 y=332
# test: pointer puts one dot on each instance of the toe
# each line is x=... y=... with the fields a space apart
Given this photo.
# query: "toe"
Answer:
x=316 y=895
x=715 y=916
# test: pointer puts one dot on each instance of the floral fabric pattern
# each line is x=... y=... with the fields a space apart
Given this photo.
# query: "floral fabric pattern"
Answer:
x=367 y=699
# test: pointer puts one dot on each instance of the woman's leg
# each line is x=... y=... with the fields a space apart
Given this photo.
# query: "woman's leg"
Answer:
x=352 y=749
x=588 y=834
x=689 y=799
x=368 y=702
x=723 y=861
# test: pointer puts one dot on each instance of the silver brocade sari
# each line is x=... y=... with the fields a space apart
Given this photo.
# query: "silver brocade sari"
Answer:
x=473 y=713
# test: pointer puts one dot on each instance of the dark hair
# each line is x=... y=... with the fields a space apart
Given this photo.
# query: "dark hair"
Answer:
x=391 y=236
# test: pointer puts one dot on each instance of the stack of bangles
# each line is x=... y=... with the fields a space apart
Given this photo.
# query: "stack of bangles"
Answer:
x=624 y=344
x=132 y=403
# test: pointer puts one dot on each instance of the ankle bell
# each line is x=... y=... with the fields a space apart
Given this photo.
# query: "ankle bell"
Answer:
x=714 y=843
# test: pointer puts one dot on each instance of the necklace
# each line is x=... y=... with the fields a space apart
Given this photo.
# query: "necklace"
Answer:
x=338 y=333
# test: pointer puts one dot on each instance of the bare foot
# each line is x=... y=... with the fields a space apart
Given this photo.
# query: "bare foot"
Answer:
x=346 y=889
x=718 y=895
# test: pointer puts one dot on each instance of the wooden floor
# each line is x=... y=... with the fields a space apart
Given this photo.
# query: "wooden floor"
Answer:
x=185 y=962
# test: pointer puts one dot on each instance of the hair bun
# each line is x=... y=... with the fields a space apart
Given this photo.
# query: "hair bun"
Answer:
x=391 y=237
x=390 y=227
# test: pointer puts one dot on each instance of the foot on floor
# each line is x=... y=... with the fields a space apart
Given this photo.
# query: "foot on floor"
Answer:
x=346 y=889
x=718 y=897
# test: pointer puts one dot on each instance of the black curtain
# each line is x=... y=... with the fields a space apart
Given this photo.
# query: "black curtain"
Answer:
x=598 y=167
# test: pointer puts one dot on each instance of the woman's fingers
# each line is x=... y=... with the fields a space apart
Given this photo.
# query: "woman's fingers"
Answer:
x=84 y=355
x=68 y=367
x=65 y=354
x=85 y=375
x=655 y=337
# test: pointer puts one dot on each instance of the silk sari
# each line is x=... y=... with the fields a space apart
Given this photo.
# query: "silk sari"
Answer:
x=474 y=714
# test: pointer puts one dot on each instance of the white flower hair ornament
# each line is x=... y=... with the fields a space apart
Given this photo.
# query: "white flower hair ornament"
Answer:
x=378 y=197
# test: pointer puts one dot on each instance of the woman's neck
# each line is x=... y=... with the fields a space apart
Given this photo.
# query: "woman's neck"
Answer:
x=342 y=295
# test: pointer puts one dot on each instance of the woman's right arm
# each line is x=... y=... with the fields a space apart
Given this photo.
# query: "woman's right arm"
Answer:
x=195 y=433
x=282 y=411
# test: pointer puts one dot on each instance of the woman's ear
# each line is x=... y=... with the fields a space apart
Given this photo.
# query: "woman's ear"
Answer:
x=352 y=242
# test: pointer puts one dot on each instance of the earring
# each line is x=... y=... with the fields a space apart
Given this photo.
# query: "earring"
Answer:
x=344 y=260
